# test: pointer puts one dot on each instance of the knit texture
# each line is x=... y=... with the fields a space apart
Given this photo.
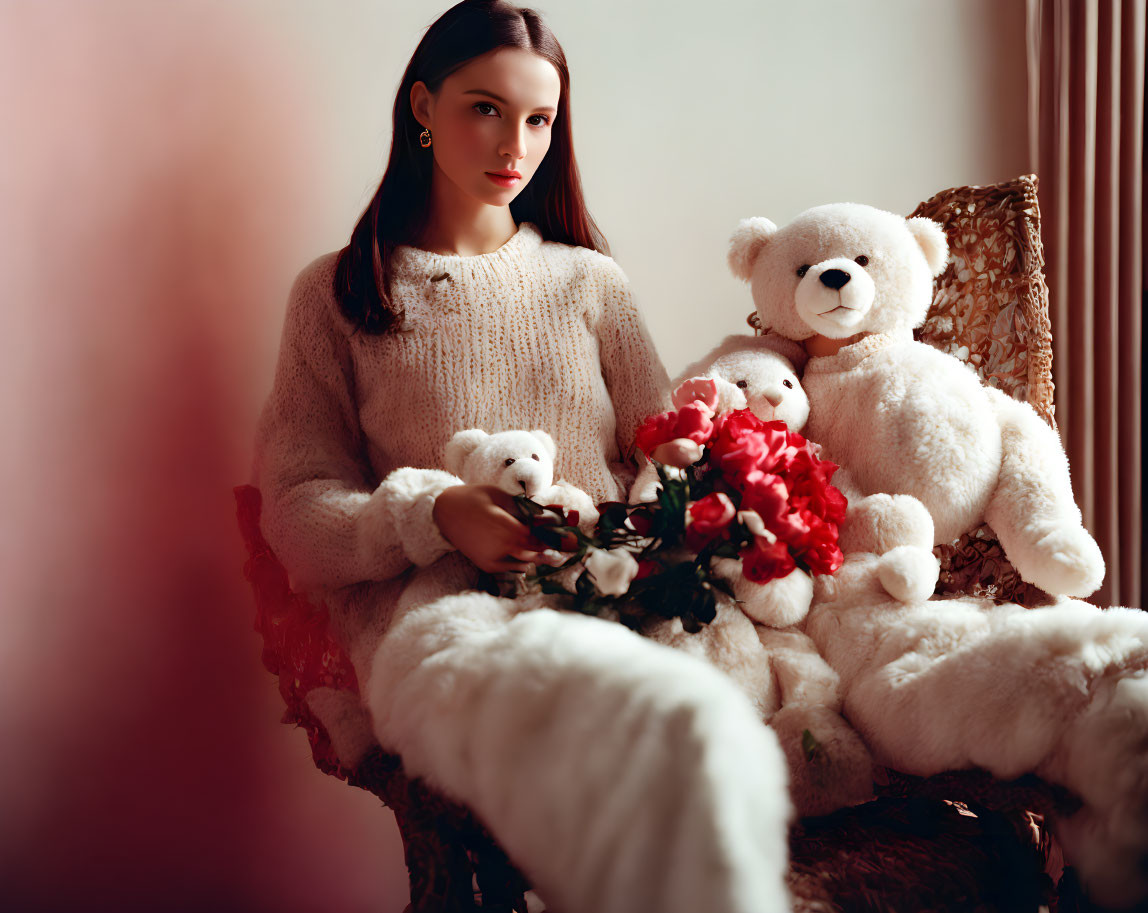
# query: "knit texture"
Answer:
x=533 y=335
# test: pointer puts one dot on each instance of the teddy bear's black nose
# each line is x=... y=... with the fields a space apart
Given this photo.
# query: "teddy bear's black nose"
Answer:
x=834 y=278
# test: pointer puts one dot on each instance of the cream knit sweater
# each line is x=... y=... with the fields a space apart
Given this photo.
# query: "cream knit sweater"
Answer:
x=533 y=335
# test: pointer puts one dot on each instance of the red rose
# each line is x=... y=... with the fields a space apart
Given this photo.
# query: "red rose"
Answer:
x=768 y=495
x=819 y=550
x=646 y=567
x=742 y=443
x=641 y=520
x=765 y=561
x=709 y=519
x=808 y=480
x=693 y=421
x=786 y=447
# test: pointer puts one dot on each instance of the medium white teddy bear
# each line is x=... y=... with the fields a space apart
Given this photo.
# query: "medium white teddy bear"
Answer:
x=935 y=685
x=899 y=415
x=520 y=463
x=759 y=373
x=754 y=640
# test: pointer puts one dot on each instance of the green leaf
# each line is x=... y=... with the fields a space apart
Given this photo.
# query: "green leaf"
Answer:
x=726 y=549
x=810 y=747
x=723 y=585
x=554 y=587
x=550 y=536
x=527 y=507
x=706 y=610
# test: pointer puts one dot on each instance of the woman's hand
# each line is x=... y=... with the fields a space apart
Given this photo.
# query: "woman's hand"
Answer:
x=480 y=521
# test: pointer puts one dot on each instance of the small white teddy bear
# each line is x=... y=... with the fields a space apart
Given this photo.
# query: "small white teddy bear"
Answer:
x=520 y=463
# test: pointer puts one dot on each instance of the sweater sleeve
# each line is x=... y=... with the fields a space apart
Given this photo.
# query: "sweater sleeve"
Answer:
x=324 y=514
x=634 y=375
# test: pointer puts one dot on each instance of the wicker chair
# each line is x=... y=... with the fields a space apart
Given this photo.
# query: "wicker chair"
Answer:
x=959 y=841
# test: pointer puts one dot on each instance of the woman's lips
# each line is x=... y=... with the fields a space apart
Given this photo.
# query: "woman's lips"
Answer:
x=502 y=180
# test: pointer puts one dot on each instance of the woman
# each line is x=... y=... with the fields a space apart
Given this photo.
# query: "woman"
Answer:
x=476 y=292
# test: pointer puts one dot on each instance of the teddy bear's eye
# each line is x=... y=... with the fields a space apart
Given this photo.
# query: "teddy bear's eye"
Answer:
x=787 y=383
x=534 y=456
x=509 y=461
x=743 y=384
x=862 y=260
x=802 y=270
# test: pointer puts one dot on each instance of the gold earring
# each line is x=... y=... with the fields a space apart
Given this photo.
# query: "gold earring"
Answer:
x=755 y=321
x=425 y=138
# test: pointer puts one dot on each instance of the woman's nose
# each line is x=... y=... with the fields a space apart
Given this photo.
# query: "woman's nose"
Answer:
x=514 y=142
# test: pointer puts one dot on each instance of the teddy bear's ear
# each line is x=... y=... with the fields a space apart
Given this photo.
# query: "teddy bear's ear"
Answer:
x=747 y=242
x=461 y=446
x=931 y=237
x=547 y=442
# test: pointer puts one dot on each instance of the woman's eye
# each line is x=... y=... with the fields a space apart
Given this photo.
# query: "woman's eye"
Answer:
x=802 y=270
x=485 y=108
x=509 y=461
x=786 y=383
x=545 y=120
x=743 y=384
x=862 y=260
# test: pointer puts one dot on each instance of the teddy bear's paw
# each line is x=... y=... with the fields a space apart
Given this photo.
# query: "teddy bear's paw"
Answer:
x=780 y=603
x=880 y=522
x=856 y=583
x=570 y=497
x=908 y=574
x=829 y=765
x=1064 y=562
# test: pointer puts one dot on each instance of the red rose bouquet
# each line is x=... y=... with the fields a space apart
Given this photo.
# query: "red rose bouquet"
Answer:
x=755 y=491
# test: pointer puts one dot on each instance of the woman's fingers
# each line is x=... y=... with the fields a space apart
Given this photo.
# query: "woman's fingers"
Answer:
x=481 y=522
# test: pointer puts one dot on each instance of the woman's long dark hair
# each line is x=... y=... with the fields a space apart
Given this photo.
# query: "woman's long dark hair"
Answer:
x=397 y=213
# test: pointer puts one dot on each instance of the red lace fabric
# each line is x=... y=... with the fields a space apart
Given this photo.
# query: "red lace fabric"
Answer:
x=297 y=642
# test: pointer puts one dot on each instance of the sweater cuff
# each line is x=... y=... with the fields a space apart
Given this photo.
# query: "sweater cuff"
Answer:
x=400 y=511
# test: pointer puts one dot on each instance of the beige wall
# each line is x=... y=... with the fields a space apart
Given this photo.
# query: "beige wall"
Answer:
x=689 y=117
x=165 y=171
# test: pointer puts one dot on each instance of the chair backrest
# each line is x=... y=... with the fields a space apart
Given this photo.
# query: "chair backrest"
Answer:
x=990 y=309
x=990 y=305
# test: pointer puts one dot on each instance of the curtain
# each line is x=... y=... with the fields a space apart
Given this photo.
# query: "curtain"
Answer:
x=1086 y=136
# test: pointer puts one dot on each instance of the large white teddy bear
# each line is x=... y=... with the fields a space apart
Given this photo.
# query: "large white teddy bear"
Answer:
x=899 y=415
x=934 y=685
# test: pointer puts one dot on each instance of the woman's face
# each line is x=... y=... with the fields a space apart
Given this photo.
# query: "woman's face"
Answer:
x=493 y=115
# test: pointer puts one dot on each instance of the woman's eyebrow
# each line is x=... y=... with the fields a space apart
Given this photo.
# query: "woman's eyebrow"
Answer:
x=499 y=98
